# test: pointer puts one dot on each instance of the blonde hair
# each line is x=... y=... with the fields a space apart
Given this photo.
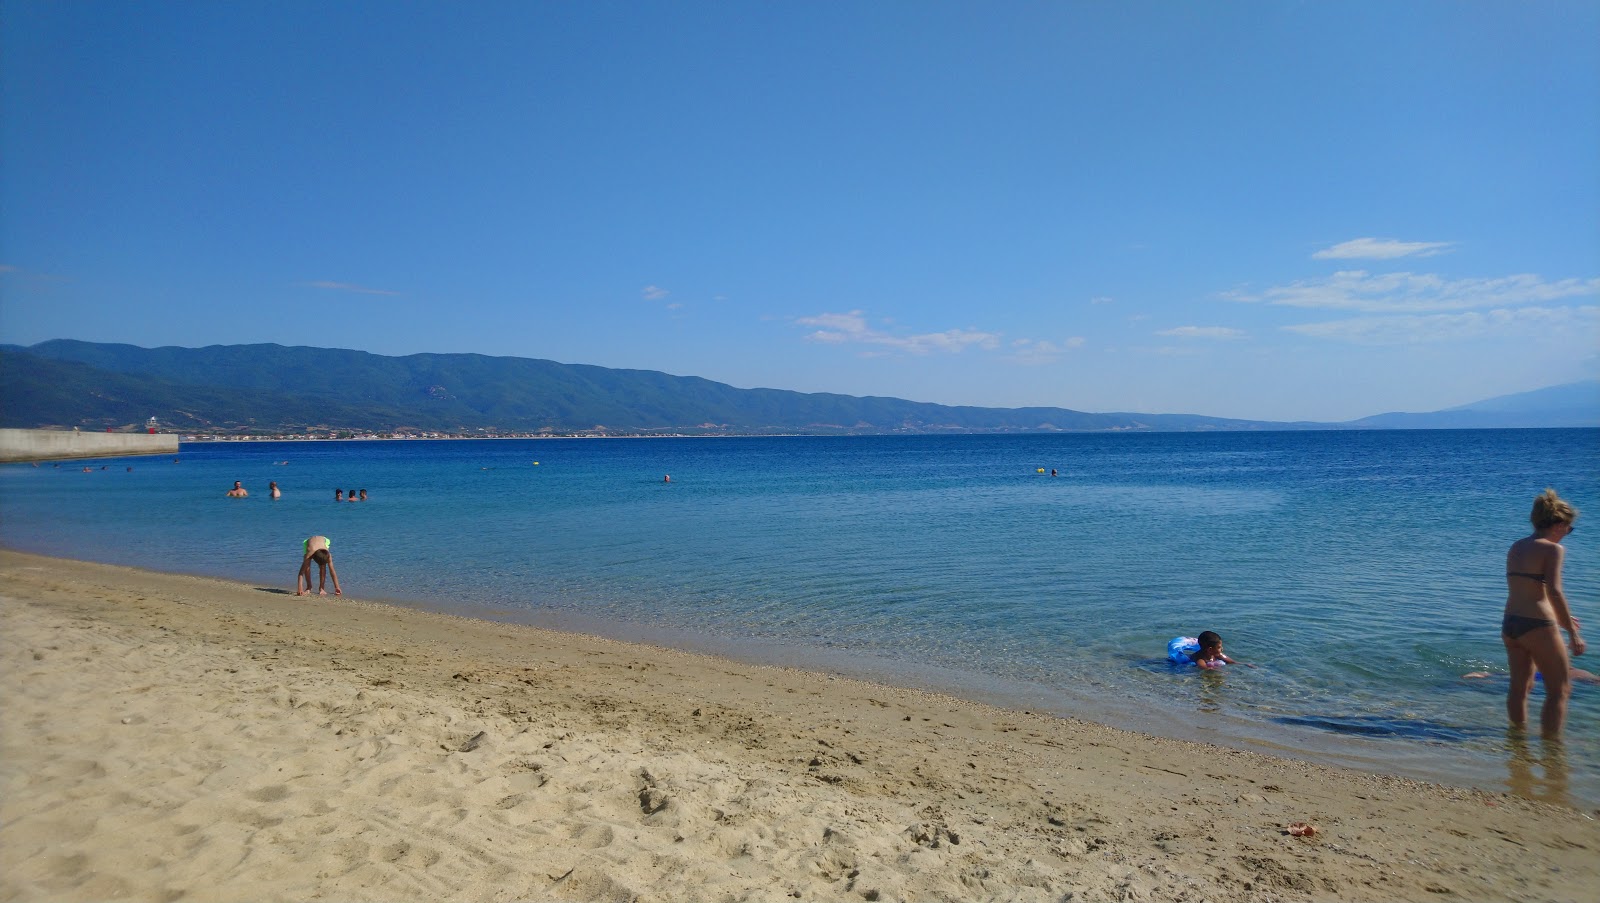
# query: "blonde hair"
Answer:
x=1550 y=509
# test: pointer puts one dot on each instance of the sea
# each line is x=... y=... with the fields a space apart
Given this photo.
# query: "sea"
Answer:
x=1361 y=572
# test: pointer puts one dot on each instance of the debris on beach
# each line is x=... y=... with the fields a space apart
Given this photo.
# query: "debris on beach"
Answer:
x=1301 y=829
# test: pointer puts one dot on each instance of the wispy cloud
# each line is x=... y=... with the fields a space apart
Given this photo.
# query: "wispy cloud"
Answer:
x=1035 y=351
x=852 y=328
x=1100 y=299
x=1405 y=330
x=1203 y=332
x=1382 y=249
x=653 y=293
x=30 y=276
x=1418 y=292
x=348 y=287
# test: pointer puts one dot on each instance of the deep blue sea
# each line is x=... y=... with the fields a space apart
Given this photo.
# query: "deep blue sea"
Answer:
x=1361 y=571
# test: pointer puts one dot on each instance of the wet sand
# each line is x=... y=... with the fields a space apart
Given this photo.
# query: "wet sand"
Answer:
x=170 y=737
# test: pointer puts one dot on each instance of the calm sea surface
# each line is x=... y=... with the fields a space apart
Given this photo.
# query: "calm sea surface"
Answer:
x=1362 y=571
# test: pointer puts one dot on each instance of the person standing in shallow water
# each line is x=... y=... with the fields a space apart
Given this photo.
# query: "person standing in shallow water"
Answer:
x=1536 y=610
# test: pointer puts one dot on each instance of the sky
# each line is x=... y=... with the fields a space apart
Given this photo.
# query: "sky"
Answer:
x=1265 y=210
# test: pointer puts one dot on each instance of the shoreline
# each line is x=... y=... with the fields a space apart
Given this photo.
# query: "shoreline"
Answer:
x=1447 y=766
x=1332 y=750
x=170 y=736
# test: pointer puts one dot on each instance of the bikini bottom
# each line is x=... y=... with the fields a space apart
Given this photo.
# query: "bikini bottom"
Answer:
x=1514 y=626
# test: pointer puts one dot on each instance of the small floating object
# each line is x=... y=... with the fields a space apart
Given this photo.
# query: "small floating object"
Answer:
x=536 y=464
x=1040 y=470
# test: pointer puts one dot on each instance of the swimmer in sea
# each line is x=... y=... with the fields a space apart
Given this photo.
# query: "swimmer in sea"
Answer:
x=318 y=549
x=238 y=491
x=1204 y=651
x=338 y=495
x=363 y=495
x=272 y=489
x=1536 y=610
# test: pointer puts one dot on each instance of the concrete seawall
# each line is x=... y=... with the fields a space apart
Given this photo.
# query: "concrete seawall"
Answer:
x=53 y=445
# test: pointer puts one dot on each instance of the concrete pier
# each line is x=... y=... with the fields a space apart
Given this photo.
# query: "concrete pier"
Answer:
x=55 y=445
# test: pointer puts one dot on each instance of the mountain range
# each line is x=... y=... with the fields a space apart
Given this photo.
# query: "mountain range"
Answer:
x=275 y=389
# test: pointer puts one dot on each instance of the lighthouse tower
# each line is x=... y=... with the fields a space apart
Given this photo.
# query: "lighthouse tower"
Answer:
x=150 y=426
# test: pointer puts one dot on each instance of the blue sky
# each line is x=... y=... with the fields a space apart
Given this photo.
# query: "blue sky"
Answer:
x=1263 y=210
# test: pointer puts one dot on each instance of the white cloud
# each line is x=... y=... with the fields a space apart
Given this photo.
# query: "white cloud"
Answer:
x=1203 y=332
x=348 y=287
x=1100 y=299
x=852 y=327
x=836 y=327
x=1382 y=249
x=653 y=293
x=1405 y=330
x=1418 y=292
x=1037 y=351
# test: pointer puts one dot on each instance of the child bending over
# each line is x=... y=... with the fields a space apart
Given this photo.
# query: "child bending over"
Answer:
x=317 y=549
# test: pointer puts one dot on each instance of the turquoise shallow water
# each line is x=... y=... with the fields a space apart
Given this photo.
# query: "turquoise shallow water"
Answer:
x=1362 y=571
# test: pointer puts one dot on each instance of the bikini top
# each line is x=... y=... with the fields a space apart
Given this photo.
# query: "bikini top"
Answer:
x=1538 y=577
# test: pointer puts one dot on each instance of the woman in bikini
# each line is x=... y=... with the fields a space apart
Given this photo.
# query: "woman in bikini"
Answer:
x=1536 y=609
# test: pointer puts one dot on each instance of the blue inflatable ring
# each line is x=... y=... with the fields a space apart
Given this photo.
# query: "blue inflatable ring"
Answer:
x=1180 y=648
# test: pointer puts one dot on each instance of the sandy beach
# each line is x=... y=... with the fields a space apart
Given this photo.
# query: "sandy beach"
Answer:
x=172 y=737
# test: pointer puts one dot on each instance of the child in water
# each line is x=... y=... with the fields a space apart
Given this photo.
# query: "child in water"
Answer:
x=1204 y=651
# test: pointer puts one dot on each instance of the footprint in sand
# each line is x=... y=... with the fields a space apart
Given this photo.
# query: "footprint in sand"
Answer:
x=270 y=794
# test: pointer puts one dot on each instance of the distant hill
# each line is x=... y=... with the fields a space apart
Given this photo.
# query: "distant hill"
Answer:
x=278 y=389
x=1573 y=404
x=273 y=388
